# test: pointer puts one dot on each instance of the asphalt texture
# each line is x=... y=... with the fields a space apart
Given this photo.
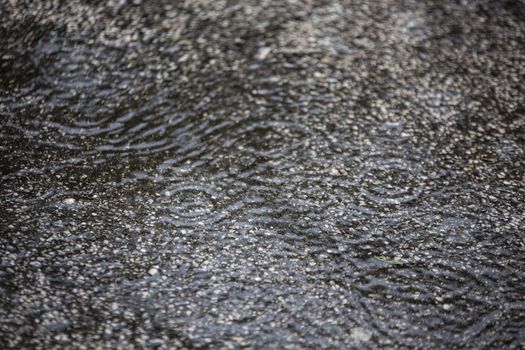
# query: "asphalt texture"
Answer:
x=262 y=174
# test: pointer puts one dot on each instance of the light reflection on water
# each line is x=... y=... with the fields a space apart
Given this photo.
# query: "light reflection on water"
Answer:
x=174 y=182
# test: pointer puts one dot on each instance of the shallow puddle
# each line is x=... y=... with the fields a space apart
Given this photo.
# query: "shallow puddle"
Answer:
x=275 y=174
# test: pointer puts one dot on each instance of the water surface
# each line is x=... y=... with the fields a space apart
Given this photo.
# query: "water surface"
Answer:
x=275 y=174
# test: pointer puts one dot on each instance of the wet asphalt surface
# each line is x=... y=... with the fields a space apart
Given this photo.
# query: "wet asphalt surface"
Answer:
x=262 y=174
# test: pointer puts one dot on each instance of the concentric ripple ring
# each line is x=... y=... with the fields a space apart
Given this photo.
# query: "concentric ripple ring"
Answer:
x=268 y=138
x=392 y=181
x=190 y=204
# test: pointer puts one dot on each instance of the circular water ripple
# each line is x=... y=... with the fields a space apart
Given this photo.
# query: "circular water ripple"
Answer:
x=414 y=233
x=271 y=138
x=79 y=112
x=75 y=63
x=190 y=203
x=193 y=204
x=214 y=143
x=391 y=181
x=456 y=286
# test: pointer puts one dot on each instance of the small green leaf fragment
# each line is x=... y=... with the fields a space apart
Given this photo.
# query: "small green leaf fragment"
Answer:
x=387 y=260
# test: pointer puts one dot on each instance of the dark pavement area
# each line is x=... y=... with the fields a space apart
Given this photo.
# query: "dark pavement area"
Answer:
x=262 y=174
